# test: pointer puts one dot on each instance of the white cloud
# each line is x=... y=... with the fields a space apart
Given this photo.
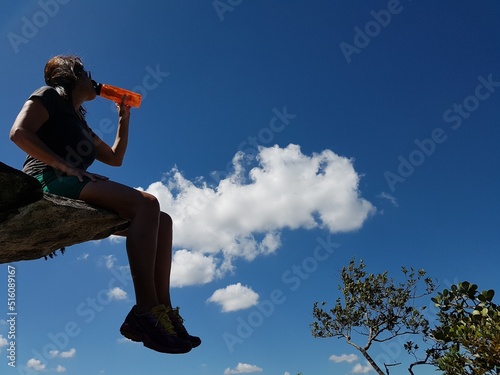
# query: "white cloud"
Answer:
x=117 y=294
x=349 y=358
x=84 y=256
x=3 y=342
x=57 y=354
x=124 y=340
x=243 y=216
x=109 y=261
x=60 y=368
x=116 y=239
x=234 y=297
x=69 y=354
x=35 y=364
x=190 y=268
x=360 y=369
x=242 y=368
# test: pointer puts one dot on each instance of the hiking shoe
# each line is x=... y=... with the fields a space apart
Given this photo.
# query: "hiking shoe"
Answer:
x=180 y=330
x=155 y=330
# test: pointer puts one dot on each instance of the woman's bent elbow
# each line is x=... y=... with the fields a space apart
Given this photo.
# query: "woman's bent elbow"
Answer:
x=117 y=163
x=15 y=135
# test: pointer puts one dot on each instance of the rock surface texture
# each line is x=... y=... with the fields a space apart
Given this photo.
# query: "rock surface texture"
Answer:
x=34 y=224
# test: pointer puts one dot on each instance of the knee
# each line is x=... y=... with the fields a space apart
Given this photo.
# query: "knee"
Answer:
x=149 y=203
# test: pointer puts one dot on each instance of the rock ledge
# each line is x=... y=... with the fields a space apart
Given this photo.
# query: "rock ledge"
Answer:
x=34 y=224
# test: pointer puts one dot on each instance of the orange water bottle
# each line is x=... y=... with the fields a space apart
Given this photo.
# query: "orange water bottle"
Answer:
x=116 y=94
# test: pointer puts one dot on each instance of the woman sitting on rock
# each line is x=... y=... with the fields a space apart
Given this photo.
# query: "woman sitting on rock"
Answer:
x=60 y=147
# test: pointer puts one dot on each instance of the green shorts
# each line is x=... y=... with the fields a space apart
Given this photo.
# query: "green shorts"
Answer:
x=66 y=186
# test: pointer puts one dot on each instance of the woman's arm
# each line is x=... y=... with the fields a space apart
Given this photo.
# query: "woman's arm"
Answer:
x=23 y=133
x=114 y=155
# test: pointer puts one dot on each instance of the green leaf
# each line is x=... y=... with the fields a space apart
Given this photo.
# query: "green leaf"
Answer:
x=490 y=294
x=471 y=292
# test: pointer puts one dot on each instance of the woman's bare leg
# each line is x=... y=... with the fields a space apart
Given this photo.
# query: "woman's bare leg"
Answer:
x=164 y=259
x=163 y=263
x=142 y=209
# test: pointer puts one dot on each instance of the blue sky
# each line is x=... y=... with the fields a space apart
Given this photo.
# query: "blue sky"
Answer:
x=284 y=138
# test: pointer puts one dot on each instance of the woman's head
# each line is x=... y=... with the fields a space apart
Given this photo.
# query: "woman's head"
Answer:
x=63 y=73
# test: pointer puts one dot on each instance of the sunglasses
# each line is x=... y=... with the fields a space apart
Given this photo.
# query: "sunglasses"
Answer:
x=87 y=73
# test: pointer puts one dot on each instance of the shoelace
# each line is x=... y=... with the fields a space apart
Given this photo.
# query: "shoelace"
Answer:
x=177 y=320
x=161 y=315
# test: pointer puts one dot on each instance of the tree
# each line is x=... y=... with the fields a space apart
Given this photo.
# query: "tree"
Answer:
x=469 y=331
x=376 y=309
